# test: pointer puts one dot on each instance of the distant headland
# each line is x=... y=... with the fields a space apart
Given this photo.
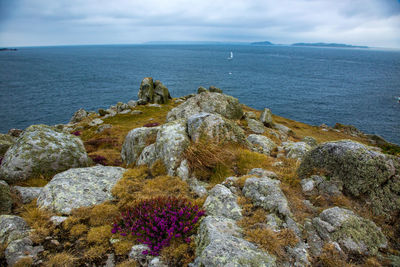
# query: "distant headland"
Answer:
x=8 y=49
x=329 y=45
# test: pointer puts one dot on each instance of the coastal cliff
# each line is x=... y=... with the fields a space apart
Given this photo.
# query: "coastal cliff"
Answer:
x=199 y=180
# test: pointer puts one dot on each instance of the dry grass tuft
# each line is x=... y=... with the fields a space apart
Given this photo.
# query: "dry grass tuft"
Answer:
x=247 y=160
x=39 y=220
x=78 y=230
x=24 y=262
x=158 y=168
x=95 y=252
x=99 y=234
x=103 y=214
x=123 y=247
x=331 y=257
x=179 y=254
x=127 y=263
x=63 y=259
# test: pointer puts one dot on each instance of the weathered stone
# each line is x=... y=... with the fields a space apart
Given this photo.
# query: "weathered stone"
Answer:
x=354 y=234
x=348 y=129
x=255 y=126
x=261 y=144
x=220 y=243
x=5 y=197
x=153 y=93
x=28 y=194
x=144 y=259
x=214 y=127
x=136 y=112
x=42 y=149
x=310 y=141
x=148 y=156
x=266 y=117
x=95 y=122
x=79 y=187
x=250 y=115
x=15 y=132
x=214 y=89
x=295 y=150
x=135 y=141
x=102 y=112
x=5 y=142
x=19 y=249
x=215 y=103
x=103 y=127
x=183 y=170
x=79 y=115
x=155 y=105
x=132 y=104
x=282 y=128
x=197 y=187
x=12 y=228
x=364 y=173
x=57 y=220
x=221 y=202
x=161 y=93
x=201 y=89
x=262 y=173
x=122 y=107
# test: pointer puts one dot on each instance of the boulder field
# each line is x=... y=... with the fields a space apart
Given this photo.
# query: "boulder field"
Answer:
x=270 y=191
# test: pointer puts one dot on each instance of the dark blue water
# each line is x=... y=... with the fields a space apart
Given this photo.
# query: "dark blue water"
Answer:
x=312 y=85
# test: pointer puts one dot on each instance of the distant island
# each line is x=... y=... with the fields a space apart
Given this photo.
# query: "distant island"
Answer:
x=262 y=43
x=8 y=49
x=329 y=45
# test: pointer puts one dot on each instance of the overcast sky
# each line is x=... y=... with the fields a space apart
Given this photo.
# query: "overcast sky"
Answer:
x=58 y=22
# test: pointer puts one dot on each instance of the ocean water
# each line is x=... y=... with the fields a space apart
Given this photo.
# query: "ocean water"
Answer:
x=312 y=85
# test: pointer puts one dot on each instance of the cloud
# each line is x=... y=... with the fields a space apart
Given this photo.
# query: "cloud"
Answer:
x=368 y=22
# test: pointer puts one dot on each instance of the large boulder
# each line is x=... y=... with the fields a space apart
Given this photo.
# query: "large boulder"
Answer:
x=255 y=126
x=219 y=243
x=79 y=187
x=42 y=149
x=5 y=142
x=12 y=228
x=261 y=144
x=367 y=174
x=295 y=150
x=266 y=117
x=216 y=103
x=79 y=115
x=5 y=197
x=135 y=141
x=27 y=194
x=354 y=234
x=214 y=127
x=153 y=92
x=221 y=202
x=21 y=248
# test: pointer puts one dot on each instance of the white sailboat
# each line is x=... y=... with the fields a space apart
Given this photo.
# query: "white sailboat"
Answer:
x=231 y=56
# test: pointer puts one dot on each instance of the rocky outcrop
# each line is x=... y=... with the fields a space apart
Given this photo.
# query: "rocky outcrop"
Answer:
x=136 y=140
x=266 y=117
x=364 y=173
x=221 y=202
x=261 y=144
x=355 y=235
x=214 y=89
x=79 y=115
x=79 y=187
x=5 y=142
x=215 y=103
x=220 y=243
x=42 y=149
x=255 y=126
x=214 y=127
x=27 y=194
x=5 y=198
x=320 y=185
x=21 y=248
x=295 y=150
x=153 y=92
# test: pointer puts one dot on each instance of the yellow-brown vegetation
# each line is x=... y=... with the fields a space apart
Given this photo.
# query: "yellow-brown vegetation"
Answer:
x=122 y=247
x=63 y=259
x=103 y=214
x=179 y=254
x=95 y=252
x=78 y=230
x=99 y=234
x=24 y=262
x=331 y=257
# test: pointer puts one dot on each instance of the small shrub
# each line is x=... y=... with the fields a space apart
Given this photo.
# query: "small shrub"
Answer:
x=157 y=221
x=152 y=124
x=122 y=247
x=179 y=254
x=99 y=159
x=78 y=230
x=99 y=234
x=63 y=259
x=77 y=133
x=95 y=252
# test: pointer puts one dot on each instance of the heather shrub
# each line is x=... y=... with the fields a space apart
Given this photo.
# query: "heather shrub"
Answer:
x=157 y=221
x=77 y=133
x=98 y=159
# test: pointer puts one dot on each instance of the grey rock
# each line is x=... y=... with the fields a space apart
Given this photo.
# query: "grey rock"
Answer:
x=282 y=128
x=310 y=141
x=183 y=170
x=250 y=115
x=15 y=132
x=42 y=149
x=126 y=111
x=122 y=107
x=156 y=262
x=5 y=197
x=266 y=193
x=255 y=126
x=57 y=220
x=153 y=92
x=19 y=249
x=110 y=262
x=161 y=93
x=137 y=255
x=307 y=185
x=135 y=141
x=262 y=173
x=155 y=105
x=79 y=115
x=201 y=89
x=214 y=89
x=261 y=144
x=28 y=193
x=102 y=112
x=136 y=112
x=296 y=150
x=215 y=127
x=12 y=228
x=266 y=117
x=220 y=243
x=354 y=234
x=142 y=102
x=221 y=202
x=79 y=187
x=197 y=187
x=103 y=127
x=215 y=103
x=96 y=122
x=5 y=142
x=148 y=156
x=363 y=172
x=132 y=103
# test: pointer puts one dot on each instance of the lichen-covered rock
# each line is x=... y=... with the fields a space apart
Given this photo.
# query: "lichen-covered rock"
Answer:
x=354 y=234
x=214 y=89
x=148 y=156
x=262 y=173
x=122 y=107
x=5 y=197
x=221 y=202
x=220 y=243
x=19 y=249
x=201 y=89
x=319 y=185
x=5 y=142
x=214 y=127
x=282 y=129
x=266 y=117
x=364 y=173
x=153 y=92
x=261 y=144
x=310 y=141
x=250 y=115
x=266 y=193
x=295 y=150
x=57 y=220
x=95 y=122
x=28 y=194
x=135 y=141
x=42 y=149
x=255 y=126
x=215 y=103
x=12 y=228
x=79 y=187
x=171 y=142
x=79 y=115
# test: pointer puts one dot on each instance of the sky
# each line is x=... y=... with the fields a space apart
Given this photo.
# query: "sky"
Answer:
x=374 y=23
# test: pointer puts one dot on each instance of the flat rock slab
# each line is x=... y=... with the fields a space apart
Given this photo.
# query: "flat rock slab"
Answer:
x=79 y=187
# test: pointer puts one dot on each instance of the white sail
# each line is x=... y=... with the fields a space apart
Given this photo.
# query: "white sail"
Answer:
x=231 y=56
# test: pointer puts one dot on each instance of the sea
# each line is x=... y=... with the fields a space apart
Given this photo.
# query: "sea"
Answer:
x=46 y=85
